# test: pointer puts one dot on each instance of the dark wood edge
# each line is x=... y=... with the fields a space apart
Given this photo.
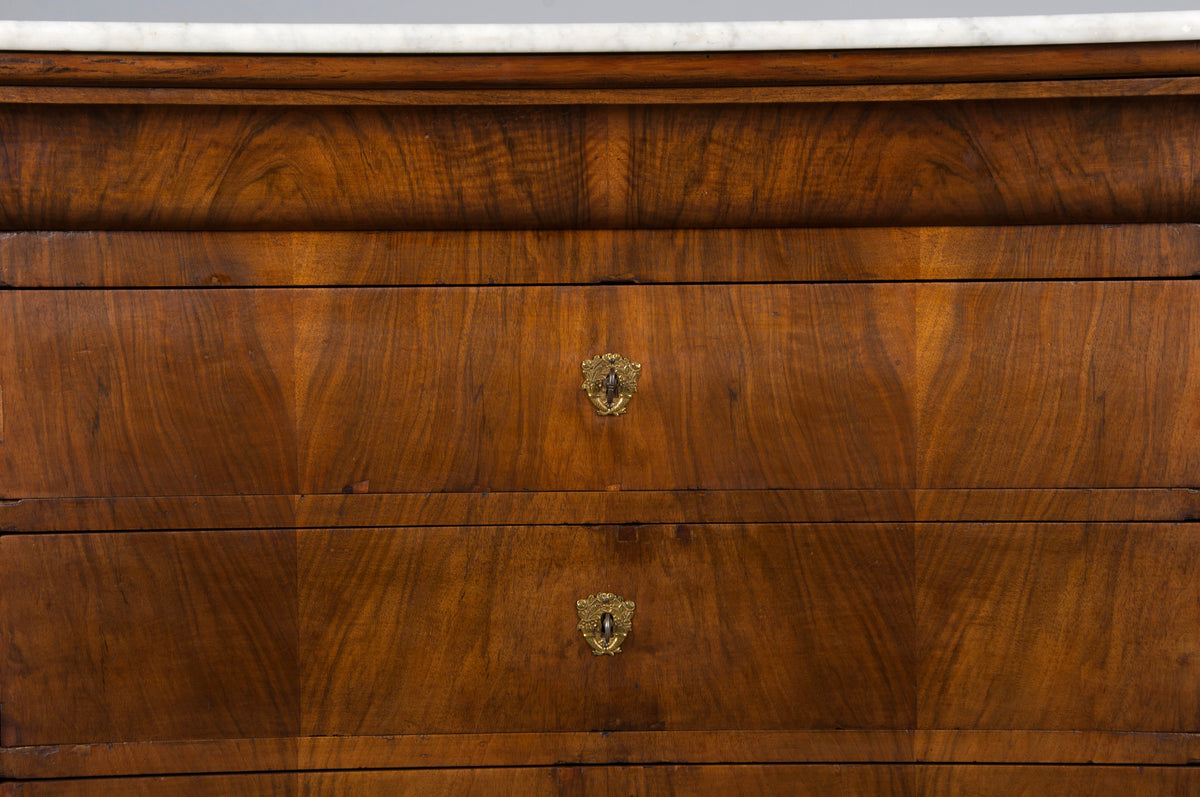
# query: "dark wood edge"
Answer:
x=34 y=515
x=587 y=748
x=49 y=515
x=889 y=92
x=454 y=750
x=604 y=70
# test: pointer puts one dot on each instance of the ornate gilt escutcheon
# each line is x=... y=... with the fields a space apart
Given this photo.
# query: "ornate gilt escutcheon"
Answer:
x=610 y=381
x=605 y=620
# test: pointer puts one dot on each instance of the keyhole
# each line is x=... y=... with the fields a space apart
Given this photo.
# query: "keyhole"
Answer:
x=606 y=628
x=611 y=386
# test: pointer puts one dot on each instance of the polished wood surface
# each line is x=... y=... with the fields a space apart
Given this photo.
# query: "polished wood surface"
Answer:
x=330 y=753
x=211 y=167
x=1058 y=384
x=1059 y=627
x=200 y=635
x=111 y=407
x=741 y=95
x=892 y=386
x=298 y=487
x=385 y=615
x=454 y=750
x=1035 y=781
x=1057 y=747
x=500 y=257
x=146 y=393
x=587 y=782
x=742 y=387
x=933 y=781
x=190 y=635
x=707 y=70
x=249 y=785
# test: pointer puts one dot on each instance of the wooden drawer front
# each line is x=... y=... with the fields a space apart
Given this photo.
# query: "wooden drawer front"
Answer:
x=1059 y=626
x=781 y=627
x=204 y=166
x=389 y=390
x=453 y=630
x=1093 y=384
x=124 y=637
x=200 y=392
x=146 y=393
x=742 y=387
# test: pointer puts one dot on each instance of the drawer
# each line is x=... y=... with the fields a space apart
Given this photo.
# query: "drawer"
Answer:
x=476 y=390
x=379 y=632
x=679 y=165
x=256 y=392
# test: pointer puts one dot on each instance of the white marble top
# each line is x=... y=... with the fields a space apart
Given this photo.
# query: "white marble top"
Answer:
x=190 y=37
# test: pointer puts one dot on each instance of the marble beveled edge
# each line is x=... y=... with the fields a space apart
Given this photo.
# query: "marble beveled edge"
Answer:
x=188 y=37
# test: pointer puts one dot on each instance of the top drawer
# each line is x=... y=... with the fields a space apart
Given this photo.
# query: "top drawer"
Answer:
x=295 y=167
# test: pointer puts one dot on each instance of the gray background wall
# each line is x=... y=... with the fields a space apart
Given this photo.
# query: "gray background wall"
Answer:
x=548 y=10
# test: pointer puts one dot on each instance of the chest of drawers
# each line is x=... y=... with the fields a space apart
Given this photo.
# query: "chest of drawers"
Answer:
x=301 y=490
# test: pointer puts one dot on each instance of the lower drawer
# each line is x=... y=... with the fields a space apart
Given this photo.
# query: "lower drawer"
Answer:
x=459 y=646
x=376 y=632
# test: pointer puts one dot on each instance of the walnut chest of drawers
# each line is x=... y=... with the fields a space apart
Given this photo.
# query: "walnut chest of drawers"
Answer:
x=300 y=487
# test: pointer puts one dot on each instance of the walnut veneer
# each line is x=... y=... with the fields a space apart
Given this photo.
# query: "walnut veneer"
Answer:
x=298 y=487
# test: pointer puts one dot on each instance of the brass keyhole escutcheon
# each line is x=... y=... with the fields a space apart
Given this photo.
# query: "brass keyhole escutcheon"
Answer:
x=610 y=381
x=605 y=620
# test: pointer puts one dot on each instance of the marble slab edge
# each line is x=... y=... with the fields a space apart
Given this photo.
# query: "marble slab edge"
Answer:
x=187 y=37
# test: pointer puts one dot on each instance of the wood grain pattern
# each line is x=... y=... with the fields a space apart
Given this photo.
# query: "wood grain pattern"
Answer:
x=600 y=747
x=192 y=635
x=147 y=393
x=475 y=257
x=1178 y=504
x=964 y=163
x=1060 y=252
x=851 y=386
x=742 y=387
x=454 y=750
x=203 y=167
x=543 y=167
x=584 y=782
x=603 y=69
x=1059 y=627
x=502 y=257
x=256 y=785
x=1058 y=385
x=752 y=95
x=1035 y=781
x=331 y=753
x=108 y=759
x=115 y=637
x=935 y=781
x=1058 y=747
x=148 y=514
x=388 y=616
x=631 y=780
